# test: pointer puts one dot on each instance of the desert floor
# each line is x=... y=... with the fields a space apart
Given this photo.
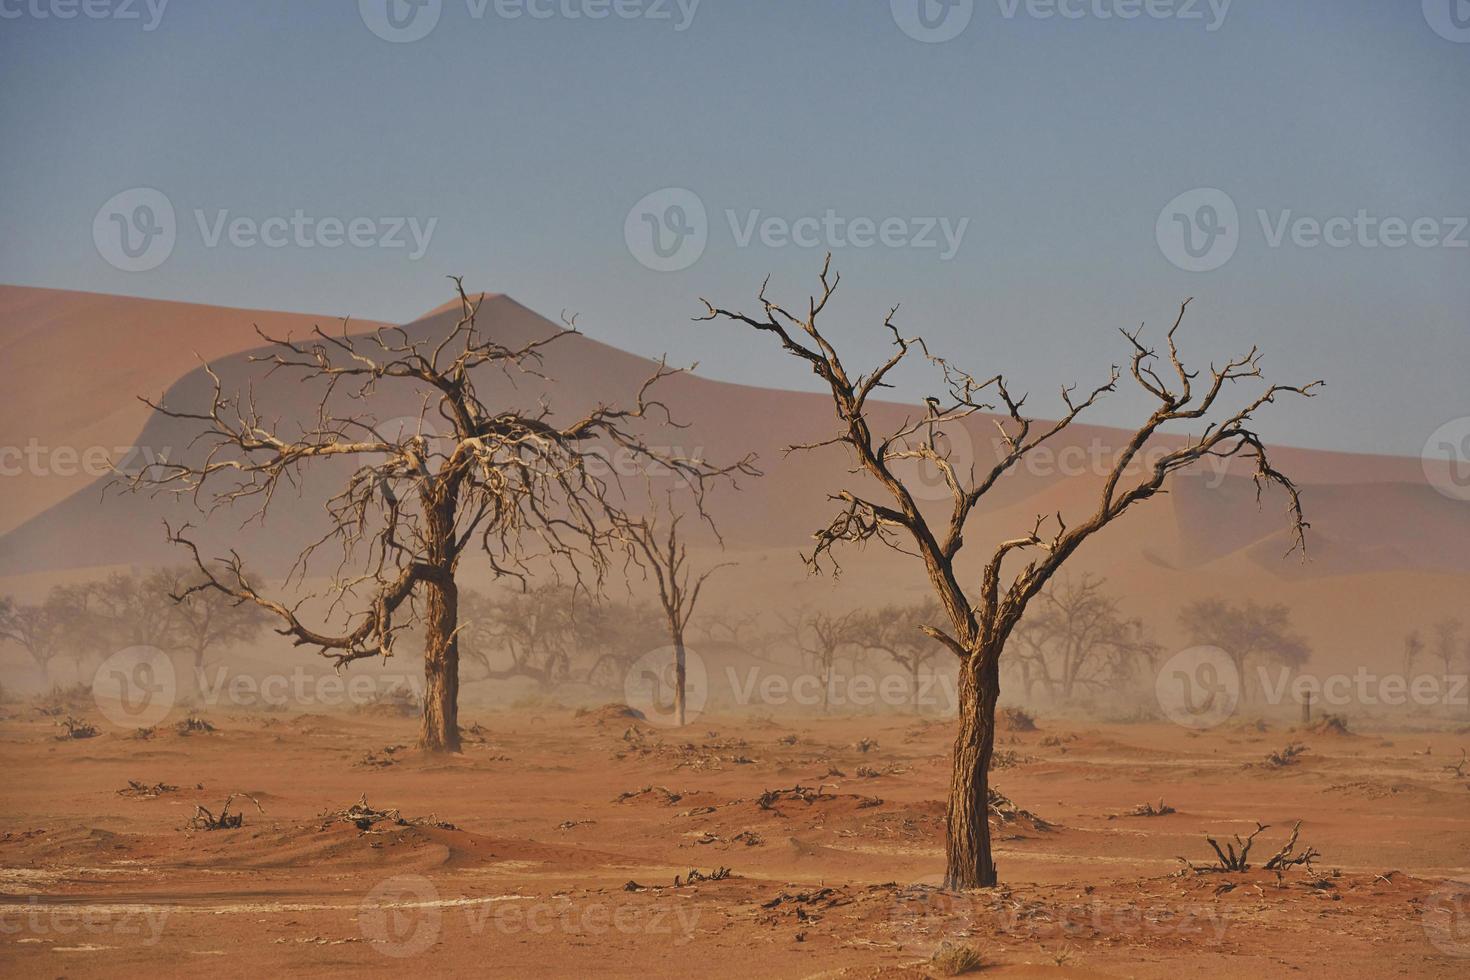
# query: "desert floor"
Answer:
x=562 y=845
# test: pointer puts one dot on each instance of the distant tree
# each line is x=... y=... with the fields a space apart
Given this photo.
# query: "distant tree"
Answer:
x=1413 y=650
x=128 y=609
x=1446 y=642
x=896 y=631
x=206 y=620
x=822 y=637
x=657 y=545
x=1075 y=636
x=1247 y=631
x=39 y=629
x=527 y=633
x=614 y=635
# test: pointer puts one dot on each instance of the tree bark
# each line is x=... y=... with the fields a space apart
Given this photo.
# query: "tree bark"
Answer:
x=440 y=730
x=440 y=727
x=679 y=677
x=968 y=861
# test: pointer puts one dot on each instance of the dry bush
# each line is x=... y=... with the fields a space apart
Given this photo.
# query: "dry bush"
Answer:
x=1017 y=720
x=952 y=961
x=76 y=728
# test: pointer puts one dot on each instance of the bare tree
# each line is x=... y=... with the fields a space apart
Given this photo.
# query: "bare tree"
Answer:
x=1446 y=645
x=620 y=633
x=820 y=637
x=206 y=620
x=1413 y=650
x=516 y=483
x=522 y=633
x=977 y=631
x=1247 y=631
x=38 y=629
x=657 y=545
x=894 y=630
x=1076 y=637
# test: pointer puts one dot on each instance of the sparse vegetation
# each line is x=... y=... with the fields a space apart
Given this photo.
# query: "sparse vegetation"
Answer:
x=952 y=960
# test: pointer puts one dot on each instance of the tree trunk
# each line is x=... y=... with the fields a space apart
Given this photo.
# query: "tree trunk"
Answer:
x=967 y=847
x=440 y=731
x=199 y=683
x=679 y=675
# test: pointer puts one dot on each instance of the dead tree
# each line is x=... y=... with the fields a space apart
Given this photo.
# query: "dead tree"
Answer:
x=1077 y=637
x=820 y=637
x=532 y=629
x=894 y=631
x=519 y=484
x=656 y=544
x=1246 y=631
x=206 y=619
x=1446 y=632
x=1413 y=650
x=37 y=629
x=977 y=628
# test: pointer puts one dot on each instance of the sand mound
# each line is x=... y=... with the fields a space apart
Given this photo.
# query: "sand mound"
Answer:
x=614 y=714
x=1327 y=725
x=1016 y=720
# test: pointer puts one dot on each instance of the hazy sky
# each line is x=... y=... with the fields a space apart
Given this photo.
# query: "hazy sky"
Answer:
x=1009 y=172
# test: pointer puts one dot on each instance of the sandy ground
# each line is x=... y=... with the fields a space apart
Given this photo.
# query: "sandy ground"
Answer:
x=559 y=845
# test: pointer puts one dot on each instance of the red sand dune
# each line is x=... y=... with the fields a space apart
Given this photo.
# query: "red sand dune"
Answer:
x=75 y=364
x=1388 y=551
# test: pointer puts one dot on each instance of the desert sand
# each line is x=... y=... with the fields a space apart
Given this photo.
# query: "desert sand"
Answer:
x=573 y=844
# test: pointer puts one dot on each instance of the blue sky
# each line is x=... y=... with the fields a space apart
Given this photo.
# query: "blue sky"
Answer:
x=1049 y=146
